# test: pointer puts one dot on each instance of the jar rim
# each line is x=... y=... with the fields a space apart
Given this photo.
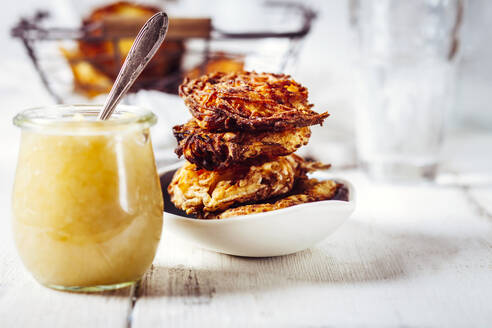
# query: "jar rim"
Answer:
x=56 y=117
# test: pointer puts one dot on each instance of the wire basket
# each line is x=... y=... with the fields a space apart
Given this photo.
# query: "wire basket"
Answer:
x=193 y=47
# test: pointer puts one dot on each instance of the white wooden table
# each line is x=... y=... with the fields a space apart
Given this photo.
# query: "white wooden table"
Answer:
x=410 y=256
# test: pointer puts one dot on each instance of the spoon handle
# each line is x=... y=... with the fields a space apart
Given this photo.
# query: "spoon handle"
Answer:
x=143 y=49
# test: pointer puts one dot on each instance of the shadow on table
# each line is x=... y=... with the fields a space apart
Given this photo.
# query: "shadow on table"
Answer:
x=359 y=253
x=124 y=292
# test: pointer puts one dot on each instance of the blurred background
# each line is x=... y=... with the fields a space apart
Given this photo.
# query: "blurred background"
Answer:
x=406 y=82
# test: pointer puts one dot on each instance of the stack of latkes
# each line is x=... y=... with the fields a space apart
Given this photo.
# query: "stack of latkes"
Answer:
x=239 y=146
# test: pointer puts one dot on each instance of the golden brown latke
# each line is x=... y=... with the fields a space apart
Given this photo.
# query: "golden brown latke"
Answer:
x=219 y=150
x=306 y=191
x=196 y=190
x=248 y=101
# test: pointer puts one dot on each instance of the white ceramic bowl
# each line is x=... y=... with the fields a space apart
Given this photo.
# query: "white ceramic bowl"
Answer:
x=273 y=233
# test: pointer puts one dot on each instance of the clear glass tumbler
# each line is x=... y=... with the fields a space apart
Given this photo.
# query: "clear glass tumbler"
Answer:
x=87 y=202
x=406 y=84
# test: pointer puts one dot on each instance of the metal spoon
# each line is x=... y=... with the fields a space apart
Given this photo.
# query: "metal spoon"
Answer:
x=143 y=49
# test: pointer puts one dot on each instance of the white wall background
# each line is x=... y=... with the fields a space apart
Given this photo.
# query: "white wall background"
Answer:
x=325 y=67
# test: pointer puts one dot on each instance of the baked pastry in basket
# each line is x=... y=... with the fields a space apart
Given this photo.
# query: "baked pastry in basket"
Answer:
x=107 y=55
x=98 y=57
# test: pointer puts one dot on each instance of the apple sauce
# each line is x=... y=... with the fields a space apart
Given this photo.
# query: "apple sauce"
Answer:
x=87 y=203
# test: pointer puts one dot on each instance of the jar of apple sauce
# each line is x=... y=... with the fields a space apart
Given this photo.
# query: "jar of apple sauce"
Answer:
x=87 y=202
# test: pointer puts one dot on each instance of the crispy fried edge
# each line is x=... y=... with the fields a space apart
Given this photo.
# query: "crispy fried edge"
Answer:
x=304 y=192
x=224 y=117
x=242 y=171
x=220 y=150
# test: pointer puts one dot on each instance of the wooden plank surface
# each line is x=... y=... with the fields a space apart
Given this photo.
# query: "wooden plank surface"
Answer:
x=429 y=263
x=409 y=256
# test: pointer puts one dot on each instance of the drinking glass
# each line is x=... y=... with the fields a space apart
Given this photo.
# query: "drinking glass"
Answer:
x=405 y=84
x=87 y=202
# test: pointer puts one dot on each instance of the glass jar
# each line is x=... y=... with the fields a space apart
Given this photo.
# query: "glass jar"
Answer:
x=404 y=86
x=87 y=201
